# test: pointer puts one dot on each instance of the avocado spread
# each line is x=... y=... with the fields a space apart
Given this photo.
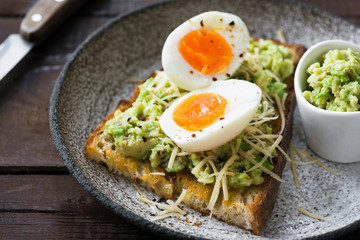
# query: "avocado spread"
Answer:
x=137 y=132
x=334 y=81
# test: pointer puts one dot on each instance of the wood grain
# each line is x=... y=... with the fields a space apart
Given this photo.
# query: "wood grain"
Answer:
x=56 y=207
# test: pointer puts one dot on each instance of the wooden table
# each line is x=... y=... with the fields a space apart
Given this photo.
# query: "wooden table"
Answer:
x=38 y=197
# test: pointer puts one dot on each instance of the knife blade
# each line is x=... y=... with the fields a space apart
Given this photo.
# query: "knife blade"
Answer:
x=40 y=21
x=12 y=51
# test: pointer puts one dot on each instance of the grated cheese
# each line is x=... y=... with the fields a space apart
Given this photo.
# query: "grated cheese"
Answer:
x=212 y=164
x=276 y=143
x=271 y=149
x=225 y=188
x=293 y=167
x=255 y=138
x=217 y=186
x=280 y=35
x=290 y=160
x=309 y=214
x=159 y=83
x=258 y=164
x=263 y=120
x=163 y=210
x=298 y=131
x=253 y=161
x=182 y=154
x=260 y=149
x=318 y=162
x=202 y=163
x=158 y=99
x=300 y=154
x=268 y=136
x=281 y=111
x=158 y=173
x=172 y=157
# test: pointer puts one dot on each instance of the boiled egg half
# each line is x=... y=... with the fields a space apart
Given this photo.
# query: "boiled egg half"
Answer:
x=206 y=48
x=209 y=117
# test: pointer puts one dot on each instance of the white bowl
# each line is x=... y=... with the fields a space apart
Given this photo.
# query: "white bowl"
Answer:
x=332 y=135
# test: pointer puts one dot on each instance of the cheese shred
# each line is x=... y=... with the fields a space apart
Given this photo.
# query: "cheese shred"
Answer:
x=309 y=214
x=172 y=157
x=280 y=35
x=163 y=210
x=293 y=167
x=318 y=162
x=281 y=111
x=216 y=190
x=299 y=133
x=158 y=173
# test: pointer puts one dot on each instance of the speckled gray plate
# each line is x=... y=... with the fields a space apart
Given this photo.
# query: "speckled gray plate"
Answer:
x=129 y=46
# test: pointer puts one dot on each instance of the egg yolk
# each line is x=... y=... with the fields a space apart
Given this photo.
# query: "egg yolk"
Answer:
x=199 y=111
x=206 y=51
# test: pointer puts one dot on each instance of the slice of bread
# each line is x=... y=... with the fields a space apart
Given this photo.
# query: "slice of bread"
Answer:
x=249 y=209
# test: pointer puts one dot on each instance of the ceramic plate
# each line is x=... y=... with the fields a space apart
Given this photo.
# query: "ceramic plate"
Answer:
x=96 y=78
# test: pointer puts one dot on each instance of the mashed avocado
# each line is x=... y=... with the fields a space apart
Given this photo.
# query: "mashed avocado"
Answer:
x=267 y=65
x=137 y=132
x=334 y=81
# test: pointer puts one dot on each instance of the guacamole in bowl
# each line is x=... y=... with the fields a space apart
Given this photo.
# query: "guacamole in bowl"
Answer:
x=327 y=92
x=334 y=81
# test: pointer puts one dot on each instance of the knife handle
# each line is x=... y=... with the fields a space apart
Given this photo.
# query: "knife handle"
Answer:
x=42 y=19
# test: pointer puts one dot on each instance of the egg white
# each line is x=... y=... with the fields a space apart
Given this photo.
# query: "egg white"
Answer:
x=229 y=26
x=243 y=99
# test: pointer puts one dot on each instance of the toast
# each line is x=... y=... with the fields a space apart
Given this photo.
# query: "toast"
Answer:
x=249 y=209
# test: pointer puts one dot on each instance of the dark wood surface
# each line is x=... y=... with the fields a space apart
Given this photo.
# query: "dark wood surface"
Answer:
x=38 y=197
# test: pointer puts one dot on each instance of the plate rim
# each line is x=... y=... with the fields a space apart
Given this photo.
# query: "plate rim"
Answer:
x=128 y=215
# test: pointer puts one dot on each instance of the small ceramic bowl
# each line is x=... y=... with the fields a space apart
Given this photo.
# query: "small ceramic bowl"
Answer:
x=332 y=135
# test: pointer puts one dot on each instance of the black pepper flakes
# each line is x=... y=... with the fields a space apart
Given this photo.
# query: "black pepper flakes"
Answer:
x=222 y=126
x=201 y=23
x=191 y=72
x=220 y=19
x=211 y=41
x=142 y=118
x=228 y=75
x=222 y=118
x=214 y=79
x=241 y=55
x=129 y=119
x=193 y=135
x=232 y=23
x=144 y=139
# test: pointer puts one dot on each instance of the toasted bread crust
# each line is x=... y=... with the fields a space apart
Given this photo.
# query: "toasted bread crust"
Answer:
x=249 y=209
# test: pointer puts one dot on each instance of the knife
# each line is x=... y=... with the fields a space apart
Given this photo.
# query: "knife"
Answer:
x=40 y=21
